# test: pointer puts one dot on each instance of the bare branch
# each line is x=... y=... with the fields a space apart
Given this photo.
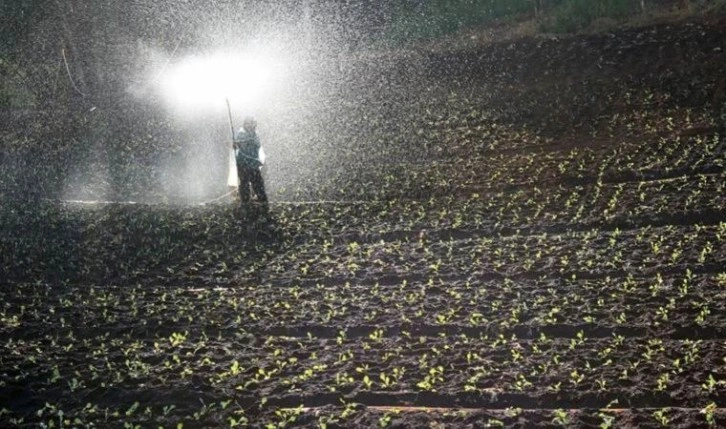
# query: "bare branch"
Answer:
x=166 y=64
x=65 y=61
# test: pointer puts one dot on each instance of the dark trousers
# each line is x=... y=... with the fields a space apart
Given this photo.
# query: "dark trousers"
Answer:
x=251 y=176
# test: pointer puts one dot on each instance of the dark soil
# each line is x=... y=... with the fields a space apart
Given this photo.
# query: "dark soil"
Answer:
x=527 y=234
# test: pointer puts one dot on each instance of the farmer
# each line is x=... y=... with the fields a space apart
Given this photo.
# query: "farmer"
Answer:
x=249 y=165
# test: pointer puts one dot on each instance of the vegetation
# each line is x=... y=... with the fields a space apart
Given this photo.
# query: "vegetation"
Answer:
x=530 y=236
x=413 y=21
x=573 y=15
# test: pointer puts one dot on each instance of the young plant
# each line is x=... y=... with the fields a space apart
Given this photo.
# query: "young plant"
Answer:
x=709 y=412
x=661 y=416
x=561 y=417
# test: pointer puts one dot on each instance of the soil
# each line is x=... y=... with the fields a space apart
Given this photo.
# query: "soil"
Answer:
x=525 y=234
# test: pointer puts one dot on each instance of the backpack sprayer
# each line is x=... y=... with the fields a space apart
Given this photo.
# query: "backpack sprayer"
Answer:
x=233 y=179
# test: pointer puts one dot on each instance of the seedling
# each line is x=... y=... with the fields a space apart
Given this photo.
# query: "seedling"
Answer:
x=561 y=417
x=709 y=413
x=661 y=416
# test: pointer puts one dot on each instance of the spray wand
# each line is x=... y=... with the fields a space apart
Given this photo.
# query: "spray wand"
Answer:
x=231 y=125
x=231 y=177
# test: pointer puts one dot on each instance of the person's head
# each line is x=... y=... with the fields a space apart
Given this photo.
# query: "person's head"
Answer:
x=249 y=124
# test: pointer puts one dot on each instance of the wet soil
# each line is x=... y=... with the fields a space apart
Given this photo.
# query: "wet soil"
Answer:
x=528 y=234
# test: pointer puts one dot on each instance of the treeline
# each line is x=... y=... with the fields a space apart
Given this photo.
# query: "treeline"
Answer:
x=413 y=20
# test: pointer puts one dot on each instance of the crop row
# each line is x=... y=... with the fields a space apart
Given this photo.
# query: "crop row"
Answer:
x=62 y=363
x=622 y=206
x=67 y=242
x=537 y=208
x=628 y=305
x=230 y=413
x=589 y=253
x=702 y=152
x=405 y=178
x=363 y=416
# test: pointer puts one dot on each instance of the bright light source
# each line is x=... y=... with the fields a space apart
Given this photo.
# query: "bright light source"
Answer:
x=205 y=81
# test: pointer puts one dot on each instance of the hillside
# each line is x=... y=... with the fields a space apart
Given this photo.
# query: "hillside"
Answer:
x=527 y=233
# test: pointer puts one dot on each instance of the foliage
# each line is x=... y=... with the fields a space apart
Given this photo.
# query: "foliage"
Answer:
x=478 y=259
x=428 y=20
x=413 y=21
x=574 y=15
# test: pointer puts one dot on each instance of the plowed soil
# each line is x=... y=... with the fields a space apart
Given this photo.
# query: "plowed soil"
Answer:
x=523 y=234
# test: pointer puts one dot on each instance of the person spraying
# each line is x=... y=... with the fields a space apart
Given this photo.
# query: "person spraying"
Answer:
x=250 y=157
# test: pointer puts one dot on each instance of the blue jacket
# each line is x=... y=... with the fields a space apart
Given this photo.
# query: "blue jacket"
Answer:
x=247 y=146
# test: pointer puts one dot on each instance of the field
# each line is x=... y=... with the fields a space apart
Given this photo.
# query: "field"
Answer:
x=527 y=236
